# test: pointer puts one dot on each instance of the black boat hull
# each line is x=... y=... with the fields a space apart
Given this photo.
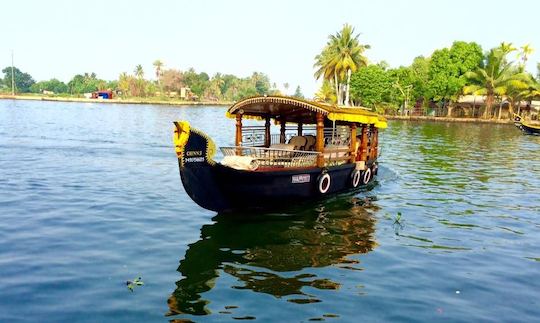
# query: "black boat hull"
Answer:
x=219 y=188
x=528 y=129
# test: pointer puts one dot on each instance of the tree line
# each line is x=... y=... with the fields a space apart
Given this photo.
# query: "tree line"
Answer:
x=168 y=83
x=429 y=83
x=433 y=83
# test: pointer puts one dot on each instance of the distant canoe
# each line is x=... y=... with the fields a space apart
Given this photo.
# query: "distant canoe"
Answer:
x=527 y=128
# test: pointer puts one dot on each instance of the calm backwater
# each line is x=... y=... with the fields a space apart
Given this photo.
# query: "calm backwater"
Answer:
x=90 y=196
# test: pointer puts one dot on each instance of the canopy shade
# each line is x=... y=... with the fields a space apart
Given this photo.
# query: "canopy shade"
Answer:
x=301 y=111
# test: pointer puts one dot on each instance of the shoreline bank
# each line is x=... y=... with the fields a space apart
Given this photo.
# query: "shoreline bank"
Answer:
x=218 y=103
x=447 y=119
x=117 y=101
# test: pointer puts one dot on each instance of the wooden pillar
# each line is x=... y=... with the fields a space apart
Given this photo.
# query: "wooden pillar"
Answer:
x=267 y=138
x=319 y=144
x=299 y=129
x=282 y=132
x=353 y=143
x=371 y=141
x=364 y=143
x=238 y=139
x=374 y=142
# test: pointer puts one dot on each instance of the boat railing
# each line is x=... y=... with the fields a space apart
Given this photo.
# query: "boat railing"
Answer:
x=253 y=136
x=272 y=157
x=337 y=136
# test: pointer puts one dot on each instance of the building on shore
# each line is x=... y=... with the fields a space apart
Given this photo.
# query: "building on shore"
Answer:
x=474 y=106
x=104 y=95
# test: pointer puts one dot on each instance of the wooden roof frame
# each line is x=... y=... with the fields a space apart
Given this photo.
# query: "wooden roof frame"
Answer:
x=295 y=110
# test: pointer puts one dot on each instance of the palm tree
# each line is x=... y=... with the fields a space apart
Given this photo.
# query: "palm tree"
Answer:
x=123 y=83
x=507 y=48
x=342 y=55
x=533 y=91
x=326 y=93
x=524 y=53
x=158 y=65
x=493 y=78
x=139 y=72
x=326 y=70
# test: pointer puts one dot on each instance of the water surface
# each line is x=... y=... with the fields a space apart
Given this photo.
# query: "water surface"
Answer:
x=90 y=197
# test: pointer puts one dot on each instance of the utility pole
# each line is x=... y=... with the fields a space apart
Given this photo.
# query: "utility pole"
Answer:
x=12 y=76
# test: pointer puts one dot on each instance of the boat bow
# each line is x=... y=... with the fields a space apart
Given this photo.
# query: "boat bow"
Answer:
x=195 y=152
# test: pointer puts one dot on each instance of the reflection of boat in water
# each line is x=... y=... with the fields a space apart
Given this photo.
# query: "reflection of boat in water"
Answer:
x=527 y=128
x=258 y=250
x=328 y=150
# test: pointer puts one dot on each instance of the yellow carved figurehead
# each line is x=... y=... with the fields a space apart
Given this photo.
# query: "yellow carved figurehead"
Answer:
x=180 y=137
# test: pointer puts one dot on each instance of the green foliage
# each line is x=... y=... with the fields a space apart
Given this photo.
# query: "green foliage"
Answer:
x=111 y=85
x=52 y=85
x=245 y=92
x=23 y=81
x=494 y=77
x=447 y=68
x=234 y=88
x=197 y=82
x=219 y=87
x=518 y=90
x=371 y=85
x=342 y=56
x=419 y=77
x=298 y=93
x=139 y=72
x=326 y=93
x=227 y=84
x=123 y=83
x=132 y=284
x=86 y=83
x=402 y=89
x=262 y=83
x=213 y=90
x=158 y=65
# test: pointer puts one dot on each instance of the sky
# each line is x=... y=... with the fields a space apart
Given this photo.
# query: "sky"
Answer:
x=58 y=39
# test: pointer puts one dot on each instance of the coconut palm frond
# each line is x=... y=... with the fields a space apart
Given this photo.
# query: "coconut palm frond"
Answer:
x=341 y=55
x=470 y=89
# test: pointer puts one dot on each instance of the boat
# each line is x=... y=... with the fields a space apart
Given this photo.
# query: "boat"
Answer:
x=311 y=150
x=527 y=128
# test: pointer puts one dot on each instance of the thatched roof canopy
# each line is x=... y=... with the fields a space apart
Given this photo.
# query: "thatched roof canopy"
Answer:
x=294 y=110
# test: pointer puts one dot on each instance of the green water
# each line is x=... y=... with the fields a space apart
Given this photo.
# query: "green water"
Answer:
x=90 y=197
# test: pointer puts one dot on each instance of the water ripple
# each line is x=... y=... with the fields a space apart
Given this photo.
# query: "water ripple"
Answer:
x=90 y=197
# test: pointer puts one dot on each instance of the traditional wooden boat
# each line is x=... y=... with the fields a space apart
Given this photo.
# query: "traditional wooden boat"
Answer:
x=320 y=149
x=527 y=128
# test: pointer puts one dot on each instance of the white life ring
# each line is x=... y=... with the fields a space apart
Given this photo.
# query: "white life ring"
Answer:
x=367 y=176
x=324 y=183
x=355 y=178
